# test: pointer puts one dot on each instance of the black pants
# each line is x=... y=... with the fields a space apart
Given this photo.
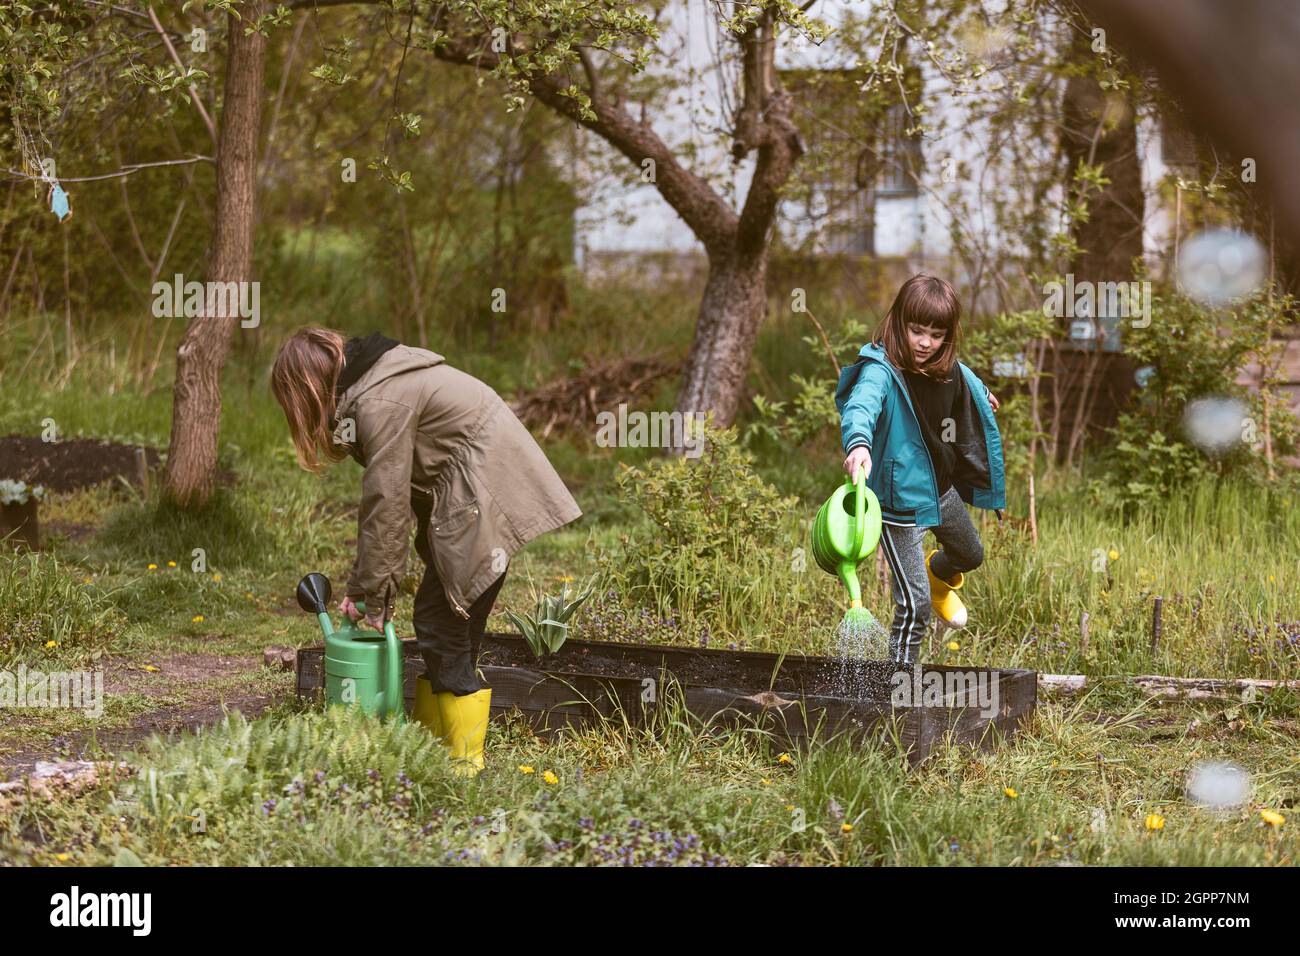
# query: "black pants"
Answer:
x=448 y=642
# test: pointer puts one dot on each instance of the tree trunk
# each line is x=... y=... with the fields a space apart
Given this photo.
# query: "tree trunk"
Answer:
x=1100 y=129
x=196 y=396
x=731 y=311
x=734 y=299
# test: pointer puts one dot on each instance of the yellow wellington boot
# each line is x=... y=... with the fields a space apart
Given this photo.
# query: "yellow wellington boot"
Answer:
x=464 y=724
x=425 y=710
x=943 y=596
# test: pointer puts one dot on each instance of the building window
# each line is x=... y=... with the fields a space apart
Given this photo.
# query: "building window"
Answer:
x=836 y=205
x=900 y=155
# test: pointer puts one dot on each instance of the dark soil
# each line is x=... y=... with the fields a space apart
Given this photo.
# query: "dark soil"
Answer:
x=69 y=464
x=750 y=671
x=73 y=463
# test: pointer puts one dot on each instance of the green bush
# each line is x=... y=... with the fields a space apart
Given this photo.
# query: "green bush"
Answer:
x=1192 y=352
x=717 y=542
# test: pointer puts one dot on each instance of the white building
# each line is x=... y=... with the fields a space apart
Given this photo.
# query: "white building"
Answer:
x=897 y=216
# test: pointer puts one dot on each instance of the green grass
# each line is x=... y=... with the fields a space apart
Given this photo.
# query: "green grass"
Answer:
x=335 y=788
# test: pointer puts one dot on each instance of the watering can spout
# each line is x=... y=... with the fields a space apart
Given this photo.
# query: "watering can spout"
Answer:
x=314 y=592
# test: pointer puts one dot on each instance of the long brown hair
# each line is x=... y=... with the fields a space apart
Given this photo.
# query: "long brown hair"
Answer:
x=922 y=300
x=302 y=380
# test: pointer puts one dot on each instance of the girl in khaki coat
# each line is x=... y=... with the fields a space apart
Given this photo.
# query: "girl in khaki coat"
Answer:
x=442 y=447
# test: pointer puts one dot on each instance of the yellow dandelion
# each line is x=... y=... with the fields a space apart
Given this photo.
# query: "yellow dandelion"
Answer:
x=87 y=581
x=524 y=768
x=846 y=827
x=1113 y=554
x=171 y=564
x=153 y=567
x=954 y=646
x=1155 y=821
x=197 y=619
x=216 y=578
x=1010 y=793
x=249 y=595
x=62 y=857
x=785 y=758
x=789 y=808
x=1272 y=818
x=550 y=777
x=151 y=669
x=766 y=781
x=1271 y=579
x=51 y=643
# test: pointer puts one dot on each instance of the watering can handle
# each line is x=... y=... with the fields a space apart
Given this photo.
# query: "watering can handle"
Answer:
x=860 y=511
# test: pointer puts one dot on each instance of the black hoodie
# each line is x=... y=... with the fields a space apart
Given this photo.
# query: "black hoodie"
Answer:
x=358 y=355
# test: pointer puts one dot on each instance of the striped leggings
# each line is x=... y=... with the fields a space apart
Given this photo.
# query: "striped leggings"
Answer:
x=961 y=551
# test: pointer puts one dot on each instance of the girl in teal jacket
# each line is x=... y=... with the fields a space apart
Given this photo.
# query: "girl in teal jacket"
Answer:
x=921 y=424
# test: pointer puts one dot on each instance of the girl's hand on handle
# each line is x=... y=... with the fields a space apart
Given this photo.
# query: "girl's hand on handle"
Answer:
x=376 y=621
x=349 y=609
x=993 y=401
x=860 y=457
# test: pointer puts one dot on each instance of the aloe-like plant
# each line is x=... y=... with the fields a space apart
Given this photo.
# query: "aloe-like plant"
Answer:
x=547 y=629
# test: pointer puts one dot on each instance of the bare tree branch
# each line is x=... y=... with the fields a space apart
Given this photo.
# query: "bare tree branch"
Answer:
x=691 y=197
x=124 y=171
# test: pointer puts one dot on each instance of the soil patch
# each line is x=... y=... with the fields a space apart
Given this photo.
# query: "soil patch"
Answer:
x=175 y=670
x=168 y=720
x=74 y=463
x=860 y=679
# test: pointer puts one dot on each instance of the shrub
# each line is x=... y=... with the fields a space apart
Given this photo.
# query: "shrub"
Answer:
x=1192 y=352
x=716 y=535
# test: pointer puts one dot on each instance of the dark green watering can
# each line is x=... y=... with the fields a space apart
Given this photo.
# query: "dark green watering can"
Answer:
x=362 y=666
x=845 y=533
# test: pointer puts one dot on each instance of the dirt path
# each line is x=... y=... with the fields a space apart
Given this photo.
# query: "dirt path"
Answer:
x=204 y=681
x=167 y=720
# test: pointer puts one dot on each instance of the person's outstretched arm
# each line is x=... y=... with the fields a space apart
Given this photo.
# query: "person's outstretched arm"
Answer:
x=859 y=403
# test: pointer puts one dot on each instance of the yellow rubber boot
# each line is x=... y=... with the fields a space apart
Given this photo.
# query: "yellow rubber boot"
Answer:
x=425 y=710
x=464 y=724
x=943 y=596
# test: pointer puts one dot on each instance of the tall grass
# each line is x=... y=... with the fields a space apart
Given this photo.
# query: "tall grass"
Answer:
x=336 y=787
x=49 y=613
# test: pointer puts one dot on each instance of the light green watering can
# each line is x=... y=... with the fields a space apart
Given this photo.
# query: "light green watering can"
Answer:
x=845 y=533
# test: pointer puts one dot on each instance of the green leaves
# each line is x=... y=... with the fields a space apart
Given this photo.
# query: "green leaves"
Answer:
x=399 y=181
x=547 y=629
x=410 y=123
x=279 y=17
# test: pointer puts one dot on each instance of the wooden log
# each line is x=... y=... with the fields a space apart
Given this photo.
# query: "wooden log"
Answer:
x=142 y=471
x=1189 y=688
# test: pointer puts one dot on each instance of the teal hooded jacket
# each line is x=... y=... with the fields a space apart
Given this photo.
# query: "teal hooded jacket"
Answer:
x=876 y=411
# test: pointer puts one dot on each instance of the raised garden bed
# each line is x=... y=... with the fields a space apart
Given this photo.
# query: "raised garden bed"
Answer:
x=20 y=524
x=794 y=696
